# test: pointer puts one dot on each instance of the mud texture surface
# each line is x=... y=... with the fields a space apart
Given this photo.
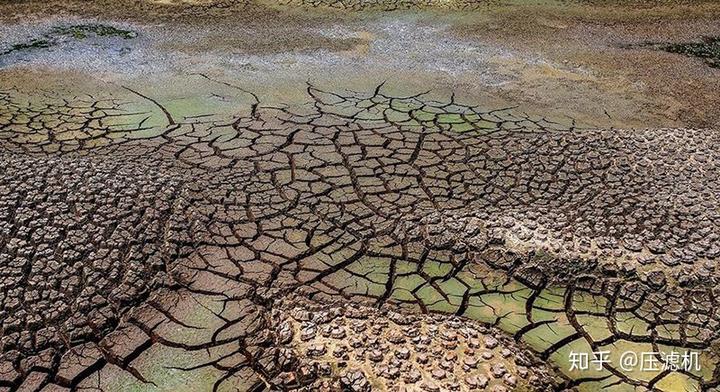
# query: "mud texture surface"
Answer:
x=384 y=201
x=235 y=209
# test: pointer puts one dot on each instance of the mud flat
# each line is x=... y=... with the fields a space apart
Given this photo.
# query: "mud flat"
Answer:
x=373 y=196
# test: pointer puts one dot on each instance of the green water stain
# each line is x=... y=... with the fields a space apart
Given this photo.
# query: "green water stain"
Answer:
x=157 y=366
x=450 y=118
x=422 y=115
x=551 y=298
x=700 y=363
x=544 y=336
x=562 y=358
x=630 y=324
x=669 y=331
x=595 y=326
x=405 y=106
x=677 y=382
x=503 y=303
x=437 y=269
x=585 y=302
x=395 y=116
x=463 y=127
x=454 y=289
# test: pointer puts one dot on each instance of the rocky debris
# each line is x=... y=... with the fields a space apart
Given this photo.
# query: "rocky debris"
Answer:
x=490 y=342
x=355 y=381
x=418 y=363
x=285 y=333
x=316 y=350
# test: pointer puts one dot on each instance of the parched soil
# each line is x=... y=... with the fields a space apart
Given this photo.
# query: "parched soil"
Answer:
x=255 y=216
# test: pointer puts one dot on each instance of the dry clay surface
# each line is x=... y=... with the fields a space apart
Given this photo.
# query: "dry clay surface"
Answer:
x=148 y=247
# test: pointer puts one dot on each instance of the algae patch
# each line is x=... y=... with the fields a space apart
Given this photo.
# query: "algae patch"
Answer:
x=707 y=49
x=83 y=31
x=33 y=44
x=77 y=32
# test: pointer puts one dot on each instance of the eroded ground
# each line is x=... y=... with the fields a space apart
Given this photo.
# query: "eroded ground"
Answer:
x=449 y=196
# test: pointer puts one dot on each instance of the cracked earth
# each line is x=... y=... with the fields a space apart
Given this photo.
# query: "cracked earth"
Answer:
x=194 y=232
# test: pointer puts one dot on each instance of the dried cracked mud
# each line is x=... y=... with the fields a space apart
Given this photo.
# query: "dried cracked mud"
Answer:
x=190 y=209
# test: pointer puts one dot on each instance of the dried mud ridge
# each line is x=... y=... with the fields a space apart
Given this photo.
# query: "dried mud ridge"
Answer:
x=113 y=225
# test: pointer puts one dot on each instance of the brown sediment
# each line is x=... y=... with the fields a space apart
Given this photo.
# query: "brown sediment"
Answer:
x=160 y=227
x=380 y=200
